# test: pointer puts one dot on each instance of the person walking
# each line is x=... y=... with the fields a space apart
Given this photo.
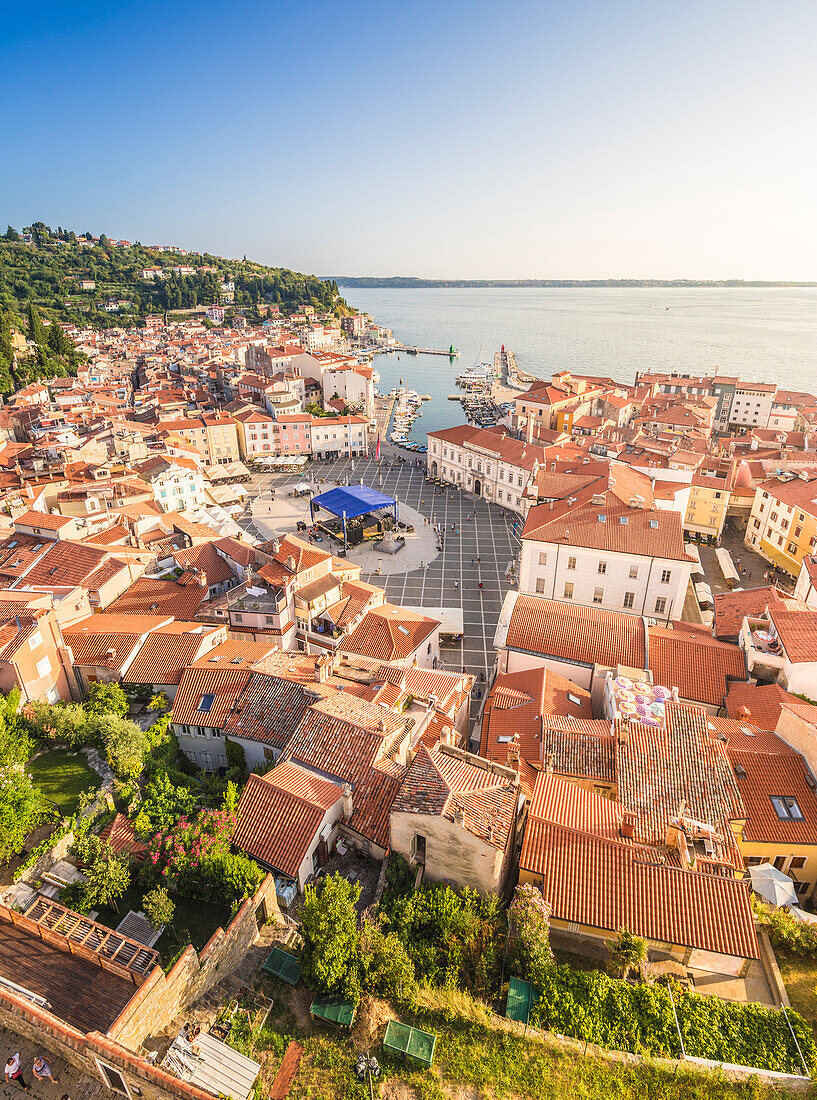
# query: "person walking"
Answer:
x=42 y=1070
x=14 y=1071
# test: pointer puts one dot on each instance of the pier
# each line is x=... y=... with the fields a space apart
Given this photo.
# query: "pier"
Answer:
x=449 y=353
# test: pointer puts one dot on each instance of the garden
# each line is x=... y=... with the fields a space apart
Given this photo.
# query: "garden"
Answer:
x=182 y=820
x=436 y=940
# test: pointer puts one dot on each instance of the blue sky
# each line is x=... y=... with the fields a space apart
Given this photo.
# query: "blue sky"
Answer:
x=574 y=140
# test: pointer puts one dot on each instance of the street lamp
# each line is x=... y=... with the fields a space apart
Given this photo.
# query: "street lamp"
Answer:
x=367 y=1067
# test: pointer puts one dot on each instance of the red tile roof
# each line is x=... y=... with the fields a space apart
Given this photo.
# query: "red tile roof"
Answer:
x=731 y=607
x=797 y=631
x=759 y=704
x=700 y=667
x=443 y=782
x=611 y=884
x=224 y=684
x=586 y=635
x=167 y=597
x=514 y=708
x=389 y=633
x=279 y=814
x=762 y=776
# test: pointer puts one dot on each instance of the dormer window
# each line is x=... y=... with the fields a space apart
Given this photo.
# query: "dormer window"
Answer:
x=787 y=808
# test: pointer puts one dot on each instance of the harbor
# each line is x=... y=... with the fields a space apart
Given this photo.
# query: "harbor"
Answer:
x=406 y=409
x=486 y=383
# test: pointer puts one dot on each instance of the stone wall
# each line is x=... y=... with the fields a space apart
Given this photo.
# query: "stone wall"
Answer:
x=46 y=1032
x=163 y=996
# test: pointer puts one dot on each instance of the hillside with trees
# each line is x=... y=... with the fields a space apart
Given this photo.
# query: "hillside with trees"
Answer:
x=72 y=278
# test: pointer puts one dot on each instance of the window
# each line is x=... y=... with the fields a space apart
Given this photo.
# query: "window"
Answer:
x=543 y=558
x=787 y=808
x=568 y=593
x=602 y=567
x=112 y=1078
x=418 y=848
x=598 y=595
x=666 y=576
x=629 y=599
x=571 y=563
x=633 y=572
x=540 y=586
x=660 y=605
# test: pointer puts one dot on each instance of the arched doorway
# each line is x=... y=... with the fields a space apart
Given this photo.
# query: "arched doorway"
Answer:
x=477 y=487
x=433 y=469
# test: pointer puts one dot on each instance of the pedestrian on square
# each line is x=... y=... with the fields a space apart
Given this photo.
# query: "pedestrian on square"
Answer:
x=14 y=1071
x=42 y=1070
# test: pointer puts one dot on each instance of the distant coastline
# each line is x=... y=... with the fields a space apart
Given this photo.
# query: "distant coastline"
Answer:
x=407 y=281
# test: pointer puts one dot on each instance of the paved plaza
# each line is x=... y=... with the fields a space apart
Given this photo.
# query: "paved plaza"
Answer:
x=476 y=549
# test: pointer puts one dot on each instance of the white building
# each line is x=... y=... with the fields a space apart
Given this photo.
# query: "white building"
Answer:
x=752 y=405
x=338 y=436
x=609 y=549
x=490 y=464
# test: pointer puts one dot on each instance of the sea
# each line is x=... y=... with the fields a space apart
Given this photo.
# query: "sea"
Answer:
x=766 y=334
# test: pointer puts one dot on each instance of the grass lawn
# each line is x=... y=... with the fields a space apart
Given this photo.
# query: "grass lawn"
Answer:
x=62 y=776
x=800 y=978
x=473 y=1058
x=197 y=919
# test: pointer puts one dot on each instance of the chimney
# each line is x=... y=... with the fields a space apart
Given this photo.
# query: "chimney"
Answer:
x=513 y=753
x=627 y=824
x=348 y=801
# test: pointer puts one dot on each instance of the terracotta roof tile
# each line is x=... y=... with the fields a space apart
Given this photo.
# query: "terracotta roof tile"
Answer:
x=588 y=635
x=279 y=814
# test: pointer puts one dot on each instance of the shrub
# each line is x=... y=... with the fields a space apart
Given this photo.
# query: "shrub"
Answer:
x=786 y=932
x=236 y=757
x=592 y=1006
x=452 y=939
x=66 y=722
x=163 y=805
x=126 y=745
x=529 y=941
x=385 y=967
x=158 y=907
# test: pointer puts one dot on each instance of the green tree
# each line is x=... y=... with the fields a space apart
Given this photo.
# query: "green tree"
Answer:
x=106 y=699
x=36 y=332
x=108 y=878
x=21 y=804
x=158 y=907
x=159 y=702
x=163 y=805
x=125 y=743
x=626 y=953
x=329 y=927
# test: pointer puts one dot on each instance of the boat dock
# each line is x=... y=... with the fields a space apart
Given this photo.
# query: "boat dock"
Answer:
x=409 y=349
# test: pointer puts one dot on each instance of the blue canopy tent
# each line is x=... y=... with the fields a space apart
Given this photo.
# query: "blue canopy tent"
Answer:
x=348 y=502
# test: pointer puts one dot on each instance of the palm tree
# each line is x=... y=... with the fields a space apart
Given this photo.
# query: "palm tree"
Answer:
x=627 y=952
